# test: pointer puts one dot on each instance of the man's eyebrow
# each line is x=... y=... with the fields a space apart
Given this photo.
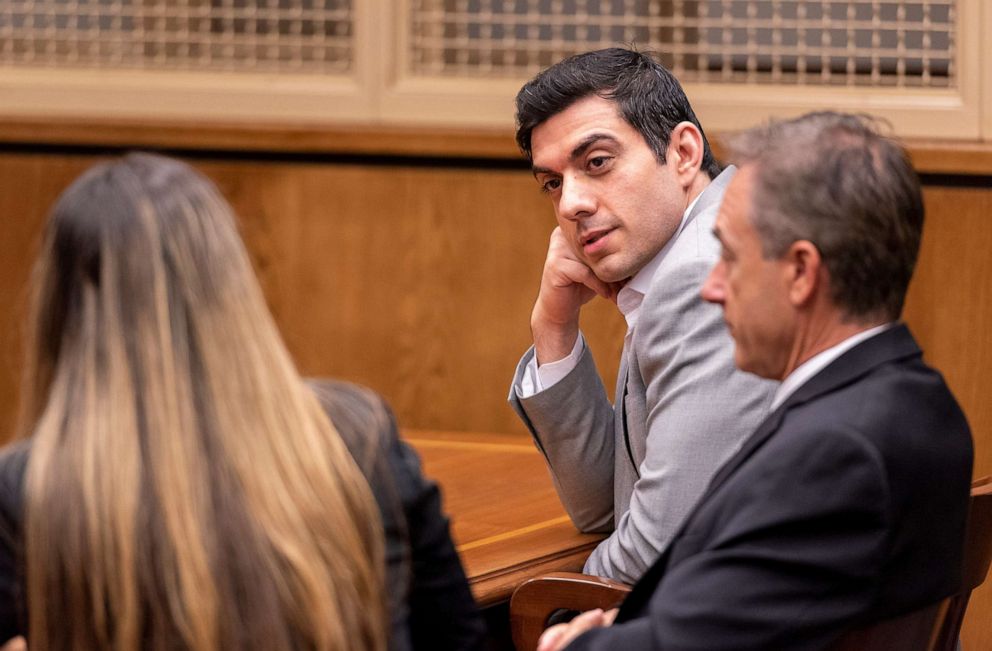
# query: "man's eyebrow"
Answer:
x=577 y=152
x=588 y=142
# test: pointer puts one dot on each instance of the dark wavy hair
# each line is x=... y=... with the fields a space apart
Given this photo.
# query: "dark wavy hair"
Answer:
x=648 y=96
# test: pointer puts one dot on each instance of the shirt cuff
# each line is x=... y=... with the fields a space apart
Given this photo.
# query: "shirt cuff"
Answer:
x=538 y=378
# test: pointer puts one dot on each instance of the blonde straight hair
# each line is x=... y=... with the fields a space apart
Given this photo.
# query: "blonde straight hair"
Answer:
x=184 y=488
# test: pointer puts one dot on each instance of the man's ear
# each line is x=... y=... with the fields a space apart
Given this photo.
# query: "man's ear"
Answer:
x=803 y=267
x=685 y=152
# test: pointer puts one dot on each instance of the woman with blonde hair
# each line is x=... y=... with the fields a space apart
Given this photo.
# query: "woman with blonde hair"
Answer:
x=176 y=484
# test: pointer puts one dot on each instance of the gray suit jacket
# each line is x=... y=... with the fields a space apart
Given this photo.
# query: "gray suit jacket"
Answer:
x=638 y=471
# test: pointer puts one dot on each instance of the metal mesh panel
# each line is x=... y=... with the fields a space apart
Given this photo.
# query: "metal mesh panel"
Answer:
x=763 y=41
x=307 y=36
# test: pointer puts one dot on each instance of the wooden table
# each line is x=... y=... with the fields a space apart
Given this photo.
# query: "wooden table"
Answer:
x=506 y=519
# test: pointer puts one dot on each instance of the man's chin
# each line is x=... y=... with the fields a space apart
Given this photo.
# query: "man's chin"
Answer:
x=610 y=274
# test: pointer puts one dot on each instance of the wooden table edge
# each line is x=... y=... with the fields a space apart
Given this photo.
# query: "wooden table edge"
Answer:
x=496 y=587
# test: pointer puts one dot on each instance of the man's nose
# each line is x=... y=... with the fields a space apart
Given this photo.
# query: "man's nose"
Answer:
x=576 y=200
x=713 y=287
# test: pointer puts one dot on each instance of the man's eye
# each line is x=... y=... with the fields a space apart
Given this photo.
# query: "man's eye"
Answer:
x=599 y=162
x=551 y=185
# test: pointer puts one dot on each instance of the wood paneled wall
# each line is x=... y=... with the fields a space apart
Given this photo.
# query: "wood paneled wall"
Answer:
x=415 y=280
x=949 y=308
x=416 y=276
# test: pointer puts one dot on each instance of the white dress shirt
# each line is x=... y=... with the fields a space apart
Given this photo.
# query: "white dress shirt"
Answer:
x=820 y=361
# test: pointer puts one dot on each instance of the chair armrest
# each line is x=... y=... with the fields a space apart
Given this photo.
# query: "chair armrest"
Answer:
x=536 y=599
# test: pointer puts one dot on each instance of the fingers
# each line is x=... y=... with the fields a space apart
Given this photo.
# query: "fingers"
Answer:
x=566 y=285
x=549 y=638
x=615 y=290
x=561 y=635
x=571 y=271
x=15 y=644
x=565 y=268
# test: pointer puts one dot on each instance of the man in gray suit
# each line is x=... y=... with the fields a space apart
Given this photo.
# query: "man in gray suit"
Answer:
x=614 y=142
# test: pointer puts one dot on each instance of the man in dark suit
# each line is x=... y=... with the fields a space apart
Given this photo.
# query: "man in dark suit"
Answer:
x=847 y=505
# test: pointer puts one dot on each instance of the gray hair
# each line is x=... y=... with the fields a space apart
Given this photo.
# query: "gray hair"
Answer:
x=835 y=180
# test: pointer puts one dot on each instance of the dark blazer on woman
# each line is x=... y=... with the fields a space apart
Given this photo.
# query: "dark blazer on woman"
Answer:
x=431 y=606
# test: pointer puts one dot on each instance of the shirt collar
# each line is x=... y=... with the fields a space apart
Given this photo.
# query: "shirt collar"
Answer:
x=631 y=295
x=805 y=371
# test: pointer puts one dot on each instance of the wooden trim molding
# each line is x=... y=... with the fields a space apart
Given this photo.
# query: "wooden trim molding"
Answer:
x=932 y=157
x=929 y=156
x=259 y=137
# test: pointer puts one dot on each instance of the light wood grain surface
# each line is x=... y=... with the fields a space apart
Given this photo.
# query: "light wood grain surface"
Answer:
x=506 y=520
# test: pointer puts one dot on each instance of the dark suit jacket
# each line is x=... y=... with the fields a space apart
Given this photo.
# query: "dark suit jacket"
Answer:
x=846 y=506
x=430 y=603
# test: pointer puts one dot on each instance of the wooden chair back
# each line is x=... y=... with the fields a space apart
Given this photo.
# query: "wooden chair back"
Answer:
x=535 y=600
x=977 y=558
x=918 y=630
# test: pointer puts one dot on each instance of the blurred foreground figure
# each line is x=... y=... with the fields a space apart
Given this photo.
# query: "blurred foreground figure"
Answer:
x=176 y=484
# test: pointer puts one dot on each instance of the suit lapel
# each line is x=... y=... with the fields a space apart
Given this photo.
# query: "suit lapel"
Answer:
x=621 y=416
